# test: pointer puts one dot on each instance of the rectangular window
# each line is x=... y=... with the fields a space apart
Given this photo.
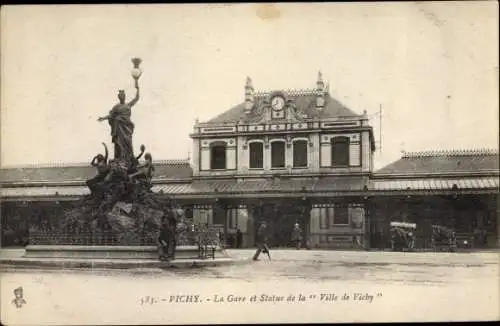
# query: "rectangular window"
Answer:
x=218 y=157
x=300 y=154
x=256 y=155
x=340 y=151
x=278 y=154
x=341 y=216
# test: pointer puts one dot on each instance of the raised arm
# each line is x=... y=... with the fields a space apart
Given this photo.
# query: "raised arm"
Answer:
x=105 y=153
x=143 y=148
x=93 y=163
x=136 y=98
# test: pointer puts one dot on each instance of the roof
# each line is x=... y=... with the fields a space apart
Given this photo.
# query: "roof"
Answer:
x=305 y=102
x=443 y=163
x=167 y=169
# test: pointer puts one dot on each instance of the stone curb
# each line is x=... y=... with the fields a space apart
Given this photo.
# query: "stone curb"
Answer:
x=7 y=263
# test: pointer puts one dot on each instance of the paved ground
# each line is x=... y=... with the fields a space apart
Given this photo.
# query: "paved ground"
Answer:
x=381 y=286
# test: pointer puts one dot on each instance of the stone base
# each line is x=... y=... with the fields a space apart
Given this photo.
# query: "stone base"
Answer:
x=64 y=263
x=109 y=257
x=112 y=252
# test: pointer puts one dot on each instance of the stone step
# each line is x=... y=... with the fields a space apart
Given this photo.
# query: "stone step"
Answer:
x=112 y=252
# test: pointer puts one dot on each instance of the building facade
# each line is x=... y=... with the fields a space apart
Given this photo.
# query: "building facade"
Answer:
x=457 y=189
x=286 y=157
x=266 y=154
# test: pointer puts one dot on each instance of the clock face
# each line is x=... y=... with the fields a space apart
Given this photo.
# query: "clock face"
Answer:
x=277 y=103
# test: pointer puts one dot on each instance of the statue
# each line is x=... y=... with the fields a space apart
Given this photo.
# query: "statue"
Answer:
x=100 y=162
x=121 y=208
x=144 y=172
x=122 y=128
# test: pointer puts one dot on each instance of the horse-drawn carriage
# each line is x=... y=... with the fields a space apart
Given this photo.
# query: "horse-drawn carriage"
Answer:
x=443 y=238
x=403 y=236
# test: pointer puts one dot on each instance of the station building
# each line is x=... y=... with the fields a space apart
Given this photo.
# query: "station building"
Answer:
x=286 y=157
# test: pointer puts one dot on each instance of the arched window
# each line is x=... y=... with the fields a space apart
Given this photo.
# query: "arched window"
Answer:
x=278 y=154
x=256 y=156
x=300 y=154
x=340 y=151
x=218 y=156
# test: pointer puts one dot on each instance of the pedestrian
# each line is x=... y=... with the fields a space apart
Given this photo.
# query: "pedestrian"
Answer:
x=297 y=236
x=163 y=241
x=167 y=238
x=239 y=238
x=262 y=242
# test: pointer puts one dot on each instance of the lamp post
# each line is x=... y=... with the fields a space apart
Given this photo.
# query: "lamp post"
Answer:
x=136 y=70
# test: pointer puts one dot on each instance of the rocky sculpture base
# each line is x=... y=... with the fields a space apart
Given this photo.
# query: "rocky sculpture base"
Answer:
x=121 y=210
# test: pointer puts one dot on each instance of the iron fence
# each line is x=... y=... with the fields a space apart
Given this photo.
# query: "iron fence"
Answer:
x=88 y=239
x=204 y=238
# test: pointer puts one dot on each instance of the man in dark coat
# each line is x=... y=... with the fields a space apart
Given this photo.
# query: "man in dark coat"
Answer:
x=297 y=236
x=167 y=238
x=261 y=241
x=239 y=238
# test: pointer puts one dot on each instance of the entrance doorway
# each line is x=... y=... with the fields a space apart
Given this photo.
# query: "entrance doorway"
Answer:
x=280 y=219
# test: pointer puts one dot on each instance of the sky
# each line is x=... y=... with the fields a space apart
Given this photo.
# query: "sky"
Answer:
x=431 y=67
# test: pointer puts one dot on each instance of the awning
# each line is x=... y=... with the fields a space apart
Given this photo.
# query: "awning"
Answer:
x=340 y=184
x=322 y=187
x=234 y=186
x=435 y=184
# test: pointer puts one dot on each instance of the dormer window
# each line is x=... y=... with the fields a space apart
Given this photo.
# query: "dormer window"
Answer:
x=218 y=156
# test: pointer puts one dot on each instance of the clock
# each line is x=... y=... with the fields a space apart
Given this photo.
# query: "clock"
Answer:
x=277 y=103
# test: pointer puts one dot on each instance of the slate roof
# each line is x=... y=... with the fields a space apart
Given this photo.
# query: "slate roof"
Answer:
x=443 y=163
x=305 y=103
x=169 y=169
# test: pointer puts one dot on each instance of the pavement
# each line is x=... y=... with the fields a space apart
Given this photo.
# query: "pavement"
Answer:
x=294 y=287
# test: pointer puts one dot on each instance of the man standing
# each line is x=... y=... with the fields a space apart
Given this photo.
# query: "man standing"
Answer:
x=167 y=238
x=297 y=236
x=262 y=242
x=164 y=241
x=239 y=238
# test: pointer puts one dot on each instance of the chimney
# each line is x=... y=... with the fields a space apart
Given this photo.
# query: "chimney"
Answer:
x=320 y=89
x=320 y=85
x=249 y=100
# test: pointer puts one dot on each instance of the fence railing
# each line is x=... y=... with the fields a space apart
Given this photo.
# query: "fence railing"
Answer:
x=201 y=237
x=88 y=239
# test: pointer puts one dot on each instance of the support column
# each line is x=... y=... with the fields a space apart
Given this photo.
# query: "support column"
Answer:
x=306 y=221
x=220 y=217
x=497 y=212
x=368 y=216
